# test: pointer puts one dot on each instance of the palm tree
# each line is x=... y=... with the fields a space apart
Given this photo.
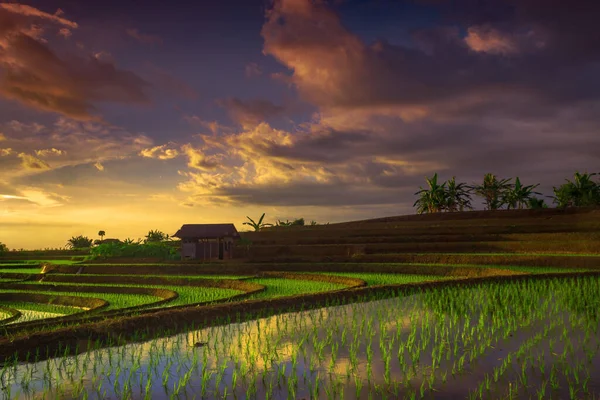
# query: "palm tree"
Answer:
x=580 y=193
x=101 y=234
x=433 y=199
x=518 y=195
x=458 y=196
x=257 y=225
x=492 y=191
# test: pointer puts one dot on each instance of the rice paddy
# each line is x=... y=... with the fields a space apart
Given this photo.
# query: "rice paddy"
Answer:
x=526 y=339
x=346 y=325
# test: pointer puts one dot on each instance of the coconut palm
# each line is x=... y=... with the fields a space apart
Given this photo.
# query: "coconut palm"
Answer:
x=582 y=192
x=101 y=234
x=518 y=195
x=458 y=196
x=257 y=225
x=433 y=199
x=492 y=191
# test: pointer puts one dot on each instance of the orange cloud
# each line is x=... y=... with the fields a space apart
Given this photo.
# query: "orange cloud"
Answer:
x=31 y=162
x=31 y=73
x=28 y=11
x=50 y=152
x=198 y=160
x=489 y=40
x=162 y=152
x=250 y=113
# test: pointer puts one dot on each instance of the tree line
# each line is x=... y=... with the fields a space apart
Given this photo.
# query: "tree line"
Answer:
x=496 y=193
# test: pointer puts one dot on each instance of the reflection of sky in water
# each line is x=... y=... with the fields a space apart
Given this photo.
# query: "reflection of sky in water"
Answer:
x=328 y=349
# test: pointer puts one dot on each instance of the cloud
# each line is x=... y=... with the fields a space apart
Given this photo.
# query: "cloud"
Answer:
x=215 y=127
x=333 y=68
x=31 y=73
x=30 y=162
x=2 y=137
x=99 y=166
x=50 y=152
x=249 y=113
x=162 y=152
x=197 y=159
x=144 y=38
x=252 y=70
x=28 y=11
x=6 y=152
x=66 y=142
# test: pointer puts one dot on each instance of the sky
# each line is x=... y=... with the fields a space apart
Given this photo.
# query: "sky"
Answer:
x=127 y=116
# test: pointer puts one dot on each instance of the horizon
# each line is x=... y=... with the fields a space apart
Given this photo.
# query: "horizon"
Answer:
x=333 y=111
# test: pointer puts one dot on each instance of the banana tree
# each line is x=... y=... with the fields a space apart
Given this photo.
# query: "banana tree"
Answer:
x=581 y=192
x=458 y=196
x=257 y=225
x=518 y=196
x=492 y=191
x=433 y=199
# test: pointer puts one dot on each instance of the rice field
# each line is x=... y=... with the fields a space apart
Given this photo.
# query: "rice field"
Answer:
x=506 y=321
x=115 y=300
x=526 y=339
x=279 y=287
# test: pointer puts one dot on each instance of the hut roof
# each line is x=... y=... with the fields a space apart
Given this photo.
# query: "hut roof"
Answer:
x=206 y=231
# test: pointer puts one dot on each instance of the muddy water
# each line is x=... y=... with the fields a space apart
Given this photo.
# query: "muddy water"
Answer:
x=357 y=351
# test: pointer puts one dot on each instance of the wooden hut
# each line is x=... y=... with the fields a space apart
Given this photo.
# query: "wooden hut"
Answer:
x=207 y=241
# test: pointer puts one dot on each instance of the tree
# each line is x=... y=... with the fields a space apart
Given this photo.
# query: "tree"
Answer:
x=458 y=196
x=156 y=236
x=518 y=195
x=79 y=242
x=101 y=234
x=535 y=204
x=433 y=199
x=257 y=225
x=3 y=248
x=582 y=192
x=492 y=191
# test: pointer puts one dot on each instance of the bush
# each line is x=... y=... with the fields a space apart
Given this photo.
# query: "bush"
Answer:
x=3 y=248
x=149 y=249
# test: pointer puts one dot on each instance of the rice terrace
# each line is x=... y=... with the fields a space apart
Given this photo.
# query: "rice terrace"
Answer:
x=476 y=304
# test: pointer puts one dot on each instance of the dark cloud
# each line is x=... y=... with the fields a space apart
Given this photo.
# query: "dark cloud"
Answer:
x=547 y=52
x=250 y=112
x=312 y=195
x=33 y=74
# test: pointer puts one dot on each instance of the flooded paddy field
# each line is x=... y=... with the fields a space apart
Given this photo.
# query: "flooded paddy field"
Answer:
x=494 y=340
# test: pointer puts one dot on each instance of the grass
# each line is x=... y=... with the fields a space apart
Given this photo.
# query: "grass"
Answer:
x=277 y=287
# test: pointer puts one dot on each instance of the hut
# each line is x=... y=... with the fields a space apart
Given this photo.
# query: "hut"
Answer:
x=207 y=241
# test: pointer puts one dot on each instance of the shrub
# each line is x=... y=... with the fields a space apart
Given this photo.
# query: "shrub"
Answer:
x=3 y=248
x=149 y=249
